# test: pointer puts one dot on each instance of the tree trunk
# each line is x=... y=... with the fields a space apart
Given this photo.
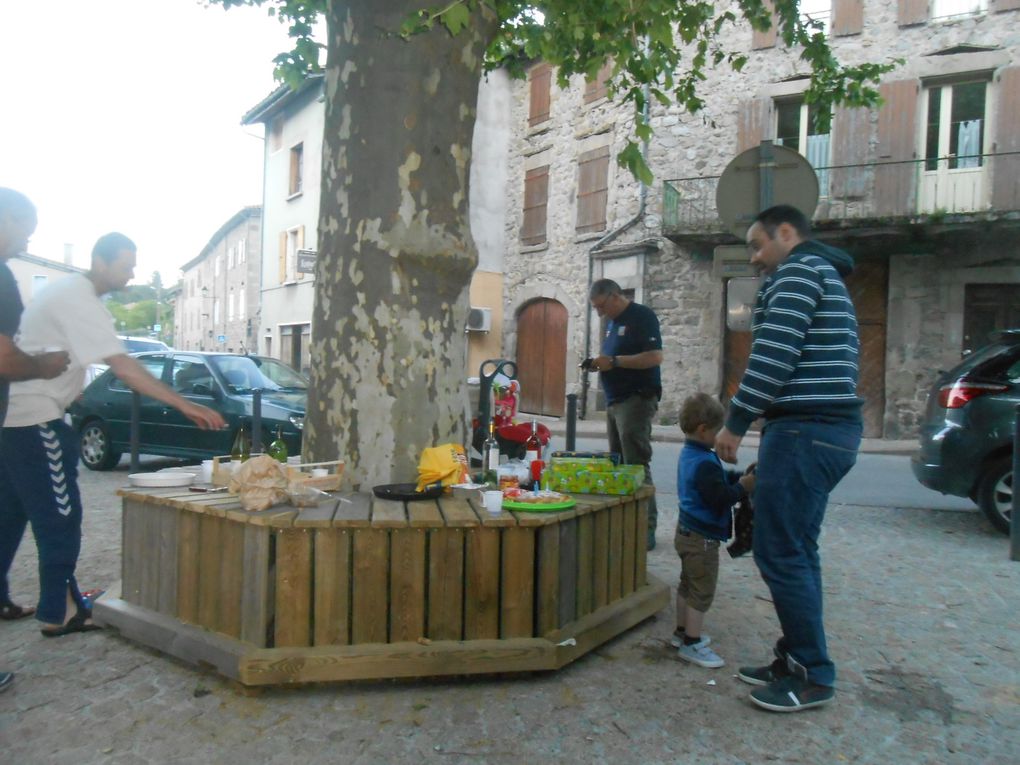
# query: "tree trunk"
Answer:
x=395 y=248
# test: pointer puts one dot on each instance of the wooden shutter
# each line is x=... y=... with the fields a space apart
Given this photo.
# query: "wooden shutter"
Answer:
x=998 y=6
x=541 y=83
x=911 y=12
x=851 y=134
x=766 y=39
x=1006 y=169
x=597 y=88
x=536 y=199
x=895 y=184
x=592 y=190
x=847 y=17
x=752 y=123
x=283 y=257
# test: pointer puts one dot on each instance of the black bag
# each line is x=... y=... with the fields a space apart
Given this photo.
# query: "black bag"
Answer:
x=743 y=528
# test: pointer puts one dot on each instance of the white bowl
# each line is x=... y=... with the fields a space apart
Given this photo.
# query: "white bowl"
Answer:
x=162 y=480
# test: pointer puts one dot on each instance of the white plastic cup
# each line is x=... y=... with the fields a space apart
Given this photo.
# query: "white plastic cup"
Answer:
x=294 y=460
x=206 y=475
x=494 y=501
x=319 y=472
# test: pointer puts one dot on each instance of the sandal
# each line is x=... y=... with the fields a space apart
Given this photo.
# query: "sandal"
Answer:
x=11 y=611
x=77 y=623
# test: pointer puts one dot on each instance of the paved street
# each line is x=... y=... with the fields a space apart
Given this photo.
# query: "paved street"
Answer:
x=922 y=611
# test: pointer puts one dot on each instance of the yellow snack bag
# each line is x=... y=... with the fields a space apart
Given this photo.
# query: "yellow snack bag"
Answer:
x=446 y=464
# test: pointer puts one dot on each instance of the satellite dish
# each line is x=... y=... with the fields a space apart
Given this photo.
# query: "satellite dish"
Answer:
x=758 y=178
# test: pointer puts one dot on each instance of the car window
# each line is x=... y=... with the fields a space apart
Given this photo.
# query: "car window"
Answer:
x=152 y=364
x=1013 y=373
x=188 y=373
x=1003 y=363
x=245 y=373
x=134 y=345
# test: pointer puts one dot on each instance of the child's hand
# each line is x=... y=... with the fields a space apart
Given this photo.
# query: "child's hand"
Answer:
x=747 y=481
x=751 y=468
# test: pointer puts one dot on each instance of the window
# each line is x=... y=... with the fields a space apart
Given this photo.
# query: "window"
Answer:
x=599 y=87
x=536 y=199
x=819 y=11
x=948 y=9
x=241 y=251
x=216 y=265
x=795 y=129
x=230 y=305
x=216 y=311
x=297 y=154
x=538 y=104
x=191 y=377
x=592 y=190
x=151 y=364
x=230 y=258
x=240 y=304
x=954 y=128
x=291 y=241
x=294 y=345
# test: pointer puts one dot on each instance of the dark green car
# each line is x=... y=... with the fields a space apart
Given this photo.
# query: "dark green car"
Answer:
x=968 y=429
x=220 y=381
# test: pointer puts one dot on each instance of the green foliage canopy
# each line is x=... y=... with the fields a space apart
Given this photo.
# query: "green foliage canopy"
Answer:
x=658 y=49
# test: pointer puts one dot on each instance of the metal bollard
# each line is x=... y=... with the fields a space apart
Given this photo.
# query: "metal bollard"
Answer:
x=136 y=416
x=1014 y=515
x=256 y=421
x=571 y=421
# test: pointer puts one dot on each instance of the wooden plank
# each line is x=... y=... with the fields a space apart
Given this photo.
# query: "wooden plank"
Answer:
x=362 y=662
x=320 y=516
x=370 y=568
x=424 y=515
x=353 y=511
x=457 y=512
x=568 y=572
x=132 y=518
x=407 y=584
x=166 y=594
x=148 y=585
x=187 y=566
x=388 y=514
x=332 y=622
x=255 y=600
x=630 y=542
x=481 y=577
x=496 y=520
x=585 y=564
x=517 y=585
x=641 y=550
x=208 y=570
x=615 y=587
x=293 y=587
x=446 y=584
x=231 y=578
x=547 y=580
x=600 y=559
x=280 y=516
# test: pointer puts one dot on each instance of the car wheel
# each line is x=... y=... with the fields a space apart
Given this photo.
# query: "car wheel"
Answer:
x=96 y=451
x=995 y=492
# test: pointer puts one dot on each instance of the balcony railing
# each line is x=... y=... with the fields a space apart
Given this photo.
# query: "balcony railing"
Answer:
x=906 y=190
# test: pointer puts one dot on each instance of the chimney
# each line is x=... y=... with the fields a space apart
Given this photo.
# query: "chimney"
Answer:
x=68 y=254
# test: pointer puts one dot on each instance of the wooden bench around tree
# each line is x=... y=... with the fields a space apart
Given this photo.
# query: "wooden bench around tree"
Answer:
x=361 y=587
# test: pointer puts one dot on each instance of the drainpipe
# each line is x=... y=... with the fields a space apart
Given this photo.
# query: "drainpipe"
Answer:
x=642 y=200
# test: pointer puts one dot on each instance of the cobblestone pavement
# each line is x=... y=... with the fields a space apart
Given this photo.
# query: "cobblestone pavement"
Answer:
x=922 y=614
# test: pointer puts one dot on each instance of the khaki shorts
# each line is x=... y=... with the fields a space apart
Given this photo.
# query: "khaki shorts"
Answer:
x=699 y=568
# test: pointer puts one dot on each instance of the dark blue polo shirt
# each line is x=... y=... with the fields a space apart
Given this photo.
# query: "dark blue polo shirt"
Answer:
x=635 y=330
x=10 y=318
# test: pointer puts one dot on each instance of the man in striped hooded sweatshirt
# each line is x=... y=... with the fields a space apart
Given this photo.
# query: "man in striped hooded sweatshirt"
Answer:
x=802 y=378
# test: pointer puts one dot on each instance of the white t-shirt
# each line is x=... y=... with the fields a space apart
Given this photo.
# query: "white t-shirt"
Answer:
x=69 y=316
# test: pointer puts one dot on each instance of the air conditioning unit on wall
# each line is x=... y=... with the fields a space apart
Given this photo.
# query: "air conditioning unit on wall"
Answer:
x=479 y=320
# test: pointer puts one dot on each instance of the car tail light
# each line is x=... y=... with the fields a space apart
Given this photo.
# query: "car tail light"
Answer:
x=957 y=394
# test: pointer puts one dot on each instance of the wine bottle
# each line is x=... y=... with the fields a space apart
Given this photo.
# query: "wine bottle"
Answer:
x=241 y=450
x=490 y=457
x=533 y=446
x=278 y=449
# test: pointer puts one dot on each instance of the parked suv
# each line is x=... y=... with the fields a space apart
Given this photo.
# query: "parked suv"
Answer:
x=968 y=429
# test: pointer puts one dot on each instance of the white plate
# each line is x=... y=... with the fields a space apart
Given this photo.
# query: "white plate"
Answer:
x=162 y=480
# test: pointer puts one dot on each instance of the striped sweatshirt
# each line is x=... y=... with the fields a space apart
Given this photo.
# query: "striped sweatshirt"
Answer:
x=804 y=349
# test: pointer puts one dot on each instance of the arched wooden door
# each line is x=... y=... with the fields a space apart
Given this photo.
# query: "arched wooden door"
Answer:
x=542 y=357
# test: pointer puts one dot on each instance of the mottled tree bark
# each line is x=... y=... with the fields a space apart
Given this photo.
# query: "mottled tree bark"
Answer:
x=395 y=249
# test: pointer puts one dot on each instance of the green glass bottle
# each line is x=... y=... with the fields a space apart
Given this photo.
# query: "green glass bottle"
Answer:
x=278 y=449
x=241 y=450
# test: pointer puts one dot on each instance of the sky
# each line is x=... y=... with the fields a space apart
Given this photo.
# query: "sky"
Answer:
x=125 y=115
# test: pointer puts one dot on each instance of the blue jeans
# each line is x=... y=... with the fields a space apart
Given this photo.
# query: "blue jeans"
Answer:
x=799 y=463
x=39 y=485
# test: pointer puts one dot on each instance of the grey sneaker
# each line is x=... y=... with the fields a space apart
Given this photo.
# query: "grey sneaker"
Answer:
x=677 y=639
x=700 y=654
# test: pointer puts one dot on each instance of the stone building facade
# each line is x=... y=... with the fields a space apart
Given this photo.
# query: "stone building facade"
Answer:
x=923 y=191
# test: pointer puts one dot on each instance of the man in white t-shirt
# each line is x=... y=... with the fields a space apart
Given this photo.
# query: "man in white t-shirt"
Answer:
x=39 y=451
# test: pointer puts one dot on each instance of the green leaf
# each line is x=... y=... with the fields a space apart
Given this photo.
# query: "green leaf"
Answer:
x=455 y=18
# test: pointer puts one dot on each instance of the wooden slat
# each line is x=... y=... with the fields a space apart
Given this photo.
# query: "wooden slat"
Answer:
x=446 y=584
x=231 y=578
x=332 y=624
x=293 y=587
x=585 y=561
x=630 y=543
x=317 y=517
x=150 y=571
x=187 y=566
x=517 y=585
x=909 y=12
x=388 y=514
x=615 y=553
x=496 y=520
x=132 y=525
x=895 y=175
x=457 y=512
x=847 y=17
x=547 y=580
x=641 y=552
x=568 y=572
x=407 y=584
x=353 y=511
x=370 y=570
x=481 y=577
x=256 y=604
x=600 y=560
x=424 y=515
x=208 y=570
x=752 y=122
x=166 y=595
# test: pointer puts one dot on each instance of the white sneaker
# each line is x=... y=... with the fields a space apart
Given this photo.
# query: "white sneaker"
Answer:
x=677 y=641
x=700 y=654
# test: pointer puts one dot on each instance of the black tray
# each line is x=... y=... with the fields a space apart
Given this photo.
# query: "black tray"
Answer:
x=406 y=492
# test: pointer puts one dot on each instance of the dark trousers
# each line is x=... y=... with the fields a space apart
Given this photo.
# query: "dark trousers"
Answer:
x=799 y=463
x=39 y=485
x=629 y=426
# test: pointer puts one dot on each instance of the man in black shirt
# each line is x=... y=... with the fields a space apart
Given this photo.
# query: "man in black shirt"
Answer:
x=629 y=365
x=17 y=222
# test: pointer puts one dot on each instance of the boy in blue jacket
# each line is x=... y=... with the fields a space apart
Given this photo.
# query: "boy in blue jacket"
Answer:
x=707 y=494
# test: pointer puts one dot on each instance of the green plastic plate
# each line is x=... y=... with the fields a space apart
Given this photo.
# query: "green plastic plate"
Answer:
x=538 y=507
